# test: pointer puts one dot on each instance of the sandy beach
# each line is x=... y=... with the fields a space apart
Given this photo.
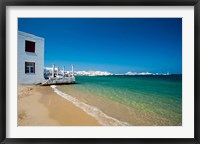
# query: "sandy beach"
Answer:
x=40 y=106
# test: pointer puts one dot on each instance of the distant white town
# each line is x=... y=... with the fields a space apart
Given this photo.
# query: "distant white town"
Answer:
x=103 y=73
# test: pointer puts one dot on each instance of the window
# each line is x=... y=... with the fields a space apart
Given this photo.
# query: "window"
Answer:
x=29 y=67
x=29 y=46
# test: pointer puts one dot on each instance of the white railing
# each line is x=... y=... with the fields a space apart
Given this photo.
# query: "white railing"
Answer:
x=54 y=80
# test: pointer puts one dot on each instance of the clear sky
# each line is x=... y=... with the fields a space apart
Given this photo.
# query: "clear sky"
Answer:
x=116 y=45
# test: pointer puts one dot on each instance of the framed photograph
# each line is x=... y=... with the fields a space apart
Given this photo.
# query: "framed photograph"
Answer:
x=100 y=71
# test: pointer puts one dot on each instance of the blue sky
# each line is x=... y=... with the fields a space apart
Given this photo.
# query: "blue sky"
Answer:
x=117 y=45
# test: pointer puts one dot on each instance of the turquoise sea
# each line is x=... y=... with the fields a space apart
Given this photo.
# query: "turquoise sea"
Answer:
x=146 y=100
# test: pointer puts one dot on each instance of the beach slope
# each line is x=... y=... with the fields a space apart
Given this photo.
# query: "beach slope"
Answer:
x=40 y=106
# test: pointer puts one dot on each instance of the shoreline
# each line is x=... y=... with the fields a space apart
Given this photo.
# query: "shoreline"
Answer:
x=125 y=114
x=94 y=111
x=64 y=106
x=41 y=106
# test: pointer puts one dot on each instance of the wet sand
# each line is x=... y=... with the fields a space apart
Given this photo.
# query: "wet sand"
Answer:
x=40 y=106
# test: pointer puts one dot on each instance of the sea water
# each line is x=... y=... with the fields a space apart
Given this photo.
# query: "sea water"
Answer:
x=146 y=100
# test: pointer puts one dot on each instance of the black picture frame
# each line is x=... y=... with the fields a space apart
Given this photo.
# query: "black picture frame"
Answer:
x=5 y=3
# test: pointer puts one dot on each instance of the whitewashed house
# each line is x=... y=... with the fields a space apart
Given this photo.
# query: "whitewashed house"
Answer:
x=30 y=58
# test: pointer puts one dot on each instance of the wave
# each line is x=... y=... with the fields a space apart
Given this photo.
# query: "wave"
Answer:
x=95 y=112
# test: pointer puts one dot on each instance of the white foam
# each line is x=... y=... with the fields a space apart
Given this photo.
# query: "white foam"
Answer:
x=95 y=112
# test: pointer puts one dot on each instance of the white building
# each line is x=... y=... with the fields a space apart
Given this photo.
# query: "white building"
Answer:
x=30 y=58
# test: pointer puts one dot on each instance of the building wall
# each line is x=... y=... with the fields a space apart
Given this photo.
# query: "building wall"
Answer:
x=37 y=57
